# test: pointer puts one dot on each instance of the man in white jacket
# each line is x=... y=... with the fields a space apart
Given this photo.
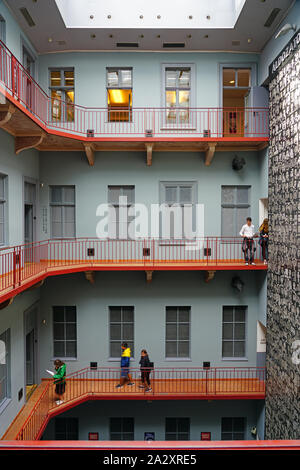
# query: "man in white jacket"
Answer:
x=248 y=233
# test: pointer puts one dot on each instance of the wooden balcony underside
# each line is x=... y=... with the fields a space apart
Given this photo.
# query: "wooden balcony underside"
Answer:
x=79 y=391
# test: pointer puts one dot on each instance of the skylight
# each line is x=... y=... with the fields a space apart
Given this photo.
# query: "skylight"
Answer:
x=159 y=14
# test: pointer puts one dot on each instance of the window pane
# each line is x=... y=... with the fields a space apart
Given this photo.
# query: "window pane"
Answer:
x=184 y=314
x=114 y=192
x=228 y=222
x=59 y=331
x=228 y=331
x=55 y=79
x=226 y=425
x=240 y=314
x=238 y=424
x=115 y=314
x=227 y=349
x=242 y=195
x=228 y=194
x=56 y=194
x=171 y=425
x=183 y=349
x=184 y=98
x=184 y=332
x=170 y=100
x=244 y=77
x=127 y=332
x=71 y=349
x=71 y=331
x=185 y=194
x=239 y=331
x=70 y=313
x=171 y=349
x=239 y=349
x=59 y=348
x=229 y=77
x=171 y=314
x=69 y=194
x=112 y=78
x=2 y=180
x=184 y=425
x=184 y=78
x=171 y=331
x=227 y=314
x=128 y=424
x=126 y=78
x=127 y=314
x=56 y=96
x=58 y=314
x=115 y=349
x=171 y=78
x=116 y=424
x=69 y=78
x=115 y=332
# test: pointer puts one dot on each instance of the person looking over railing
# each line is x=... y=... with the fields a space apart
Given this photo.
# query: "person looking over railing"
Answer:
x=248 y=233
x=264 y=240
x=146 y=367
x=60 y=380
x=125 y=363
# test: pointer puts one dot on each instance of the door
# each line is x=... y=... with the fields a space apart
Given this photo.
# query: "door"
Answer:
x=29 y=220
x=236 y=88
x=30 y=363
x=28 y=64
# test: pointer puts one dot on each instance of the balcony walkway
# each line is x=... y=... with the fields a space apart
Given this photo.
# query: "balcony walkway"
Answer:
x=167 y=384
x=26 y=265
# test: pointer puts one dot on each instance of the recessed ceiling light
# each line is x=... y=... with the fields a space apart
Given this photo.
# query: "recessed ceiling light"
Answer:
x=141 y=17
x=206 y=36
x=189 y=36
x=91 y=17
x=50 y=39
x=158 y=17
x=141 y=36
x=111 y=35
x=249 y=40
x=93 y=36
x=158 y=36
x=109 y=17
x=208 y=17
x=190 y=17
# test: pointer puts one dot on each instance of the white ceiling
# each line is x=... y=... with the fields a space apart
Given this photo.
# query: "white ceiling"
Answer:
x=248 y=35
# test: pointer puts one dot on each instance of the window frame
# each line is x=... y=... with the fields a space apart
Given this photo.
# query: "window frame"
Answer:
x=65 y=357
x=177 y=419
x=233 y=438
x=66 y=434
x=178 y=358
x=235 y=205
x=62 y=88
x=3 y=29
x=6 y=337
x=193 y=90
x=63 y=205
x=122 y=187
x=118 y=87
x=122 y=432
x=4 y=201
x=117 y=358
x=235 y=358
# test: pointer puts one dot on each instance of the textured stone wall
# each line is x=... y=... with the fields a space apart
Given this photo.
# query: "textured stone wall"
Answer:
x=283 y=305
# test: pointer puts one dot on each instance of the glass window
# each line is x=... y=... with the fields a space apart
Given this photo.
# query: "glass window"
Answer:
x=119 y=94
x=233 y=429
x=2 y=29
x=66 y=429
x=229 y=77
x=120 y=197
x=62 y=94
x=121 y=429
x=243 y=78
x=178 y=332
x=64 y=331
x=121 y=326
x=236 y=78
x=5 y=357
x=235 y=208
x=177 y=429
x=62 y=211
x=178 y=94
x=234 y=332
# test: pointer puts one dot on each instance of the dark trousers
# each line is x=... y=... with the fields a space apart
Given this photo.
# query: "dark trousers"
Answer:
x=248 y=249
x=265 y=250
x=145 y=376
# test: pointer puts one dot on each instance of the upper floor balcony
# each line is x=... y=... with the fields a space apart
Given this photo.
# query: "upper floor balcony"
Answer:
x=49 y=123
x=26 y=265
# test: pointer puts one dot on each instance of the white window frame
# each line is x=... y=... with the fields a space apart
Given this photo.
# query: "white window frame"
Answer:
x=119 y=86
x=117 y=206
x=235 y=358
x=65 y=340
x=235 y=205
x=62 y=205
x=117 y=358
x=177 y=357
x=63 y=88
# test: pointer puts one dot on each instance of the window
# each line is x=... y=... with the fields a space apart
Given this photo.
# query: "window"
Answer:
x=234 y=332
x=178 y=332
x=64 y=332
x=121 y=325
x=66 y=429
x=62 y=211
x=177 y=429
x=121 y=198
x=236 y=88
x=178 y=99
x=4 y=366
x=233 y=429
x=235 y=209
x=2 y=29
x=62 y=94
x=121 y=429
x=3 y=209
x=119 y=94
x=183 y=196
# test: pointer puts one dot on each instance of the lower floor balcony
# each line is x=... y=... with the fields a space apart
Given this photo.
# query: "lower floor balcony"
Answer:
x=26 y=265
x=240 y=383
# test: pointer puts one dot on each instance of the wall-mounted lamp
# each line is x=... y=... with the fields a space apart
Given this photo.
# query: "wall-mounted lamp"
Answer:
x=285 y=29
x=238 y=163
x=237 y=283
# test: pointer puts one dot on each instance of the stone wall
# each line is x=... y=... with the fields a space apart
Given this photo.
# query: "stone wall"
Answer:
x=283 y=305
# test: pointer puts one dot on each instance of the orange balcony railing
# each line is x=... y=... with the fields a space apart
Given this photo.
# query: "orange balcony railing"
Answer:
x=96 y=123
x=175 y=383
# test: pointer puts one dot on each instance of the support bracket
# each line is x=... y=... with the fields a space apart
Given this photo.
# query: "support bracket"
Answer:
x=90 y=276
x=149 y=150
x=25 y=142
x=209 y=275
x=6 y=113
x=90 y=153
x=209 y=153
x=149 y=276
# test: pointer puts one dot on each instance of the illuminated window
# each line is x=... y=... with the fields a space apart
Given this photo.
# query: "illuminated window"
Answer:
x=178 y=94
x=119 y=94
x=62 y=94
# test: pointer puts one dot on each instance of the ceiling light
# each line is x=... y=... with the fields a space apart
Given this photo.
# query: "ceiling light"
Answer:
x=285 y=29
x=93 y=36
x=206 y=36
x=189 y=36
x=190 y=17
x=111 y=35
x=141 y=17
x=141 y=36
x=208 y=17
x=109 y=17
x=91 y=17
x=158 y=36
x=231 y=81
x=158 y=17
x=50 y=39
x=249 y=40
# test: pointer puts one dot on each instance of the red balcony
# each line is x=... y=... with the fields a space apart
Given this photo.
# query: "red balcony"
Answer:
x=30 y=115
x=167 y=384
x=25 y=265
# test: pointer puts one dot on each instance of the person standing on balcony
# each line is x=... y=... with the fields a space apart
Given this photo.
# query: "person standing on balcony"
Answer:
x=125 y=363
x=59 y=380
x=248 y=233
x=146 y=367
x=264 y=240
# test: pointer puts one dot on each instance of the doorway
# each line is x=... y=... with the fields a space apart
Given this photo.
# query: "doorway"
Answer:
x=29 y=66
x=31 y=341
x=263 y=209
x=29 y=220
x=236 y=83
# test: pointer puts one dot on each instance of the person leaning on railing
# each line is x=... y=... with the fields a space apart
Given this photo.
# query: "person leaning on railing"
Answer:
x=248 y=233
x=264 y=240
x=59 y=380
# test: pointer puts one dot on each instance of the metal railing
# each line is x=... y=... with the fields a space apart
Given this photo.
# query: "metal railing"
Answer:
x=100 y=382
x=233 y=122
x=23 y=262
